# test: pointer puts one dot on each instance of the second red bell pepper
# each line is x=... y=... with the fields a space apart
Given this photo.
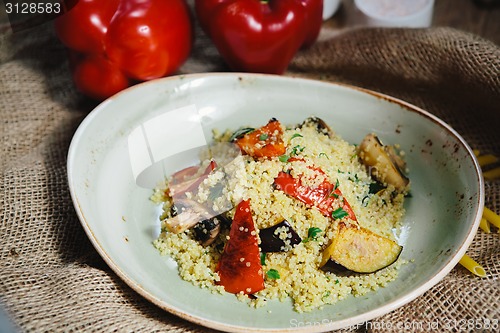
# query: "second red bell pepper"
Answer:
x=114 y=43
x=260 y=36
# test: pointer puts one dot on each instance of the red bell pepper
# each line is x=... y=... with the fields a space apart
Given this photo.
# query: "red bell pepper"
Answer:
x=240 y=268
x=326 y=197
x=266 y=141
x=184 y=181
x=114 y=43
x=260 y=36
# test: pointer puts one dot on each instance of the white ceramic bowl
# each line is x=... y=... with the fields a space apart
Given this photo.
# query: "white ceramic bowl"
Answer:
x=442 y=215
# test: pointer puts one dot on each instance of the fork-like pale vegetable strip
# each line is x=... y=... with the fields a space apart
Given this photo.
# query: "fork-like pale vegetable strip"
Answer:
x=492 y=174
x=487 y=159
x=485 y=225
x=493 y=218
x=472 y=266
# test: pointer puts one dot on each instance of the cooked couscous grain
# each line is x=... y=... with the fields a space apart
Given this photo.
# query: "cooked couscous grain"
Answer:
x=295 y=270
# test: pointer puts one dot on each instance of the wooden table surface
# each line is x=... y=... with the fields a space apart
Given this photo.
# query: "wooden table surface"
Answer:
x=467 y=15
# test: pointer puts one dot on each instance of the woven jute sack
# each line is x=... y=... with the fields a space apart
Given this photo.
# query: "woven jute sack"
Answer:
x=52 y=279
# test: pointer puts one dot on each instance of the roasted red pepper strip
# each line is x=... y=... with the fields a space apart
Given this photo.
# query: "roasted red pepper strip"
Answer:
x=323 y=197
x=266 y=141
x=239 y=268
x=260 y=36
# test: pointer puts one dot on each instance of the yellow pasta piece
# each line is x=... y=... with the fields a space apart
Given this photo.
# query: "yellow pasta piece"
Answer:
x=493 y=218
x=485 y=225
x=492 y=174
x=476 y=152
x=472 y=266
x=484 y=160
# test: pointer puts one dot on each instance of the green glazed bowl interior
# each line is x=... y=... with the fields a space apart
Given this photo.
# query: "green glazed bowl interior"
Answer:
x=443 y=212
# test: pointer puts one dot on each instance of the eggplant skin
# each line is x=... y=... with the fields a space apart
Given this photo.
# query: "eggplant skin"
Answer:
x=271 y=242
x=361 y=250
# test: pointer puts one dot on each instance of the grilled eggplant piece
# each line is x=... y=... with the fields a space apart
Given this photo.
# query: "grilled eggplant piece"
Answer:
x=319 y=124
x=207 y=230
x=360 y=250
x=271 y=240
x=383 y=163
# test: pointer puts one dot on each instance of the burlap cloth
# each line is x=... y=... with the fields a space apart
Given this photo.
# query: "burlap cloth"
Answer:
x=52 y=279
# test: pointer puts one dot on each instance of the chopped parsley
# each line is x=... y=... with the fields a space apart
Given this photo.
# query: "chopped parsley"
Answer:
x=273 y=274
x=339 y=213
x=263 y=137
x=335 y=187
x=263 y=259
x=284 y=158
x=323 y=154
x=297 y=149
x=333 y=194
x=312 y=234
x=355 y=179
x=296 y=135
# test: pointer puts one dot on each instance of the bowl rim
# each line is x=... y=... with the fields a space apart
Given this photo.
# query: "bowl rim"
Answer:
x=334 y=324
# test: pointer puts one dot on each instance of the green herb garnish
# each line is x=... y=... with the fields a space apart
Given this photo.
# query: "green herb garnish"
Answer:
x=323 y=154
x=296 y=135
x=297 y=149
x=312 y=234
x=240 y=133
x=263 y=259
x=263 y=137
x=335 y=187
x=339 y=213
x=355 y=179
x=273 y=274
x=333 y=194
x=284 y=158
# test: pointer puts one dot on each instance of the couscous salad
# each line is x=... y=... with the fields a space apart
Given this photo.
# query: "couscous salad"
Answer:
x=287 y=212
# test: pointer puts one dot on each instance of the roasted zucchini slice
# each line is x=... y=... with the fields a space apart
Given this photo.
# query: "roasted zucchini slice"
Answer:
x=360 y=250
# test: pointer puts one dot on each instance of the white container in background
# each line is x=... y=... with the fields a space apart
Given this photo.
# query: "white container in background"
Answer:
x=396 y=13
x=329 y=8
